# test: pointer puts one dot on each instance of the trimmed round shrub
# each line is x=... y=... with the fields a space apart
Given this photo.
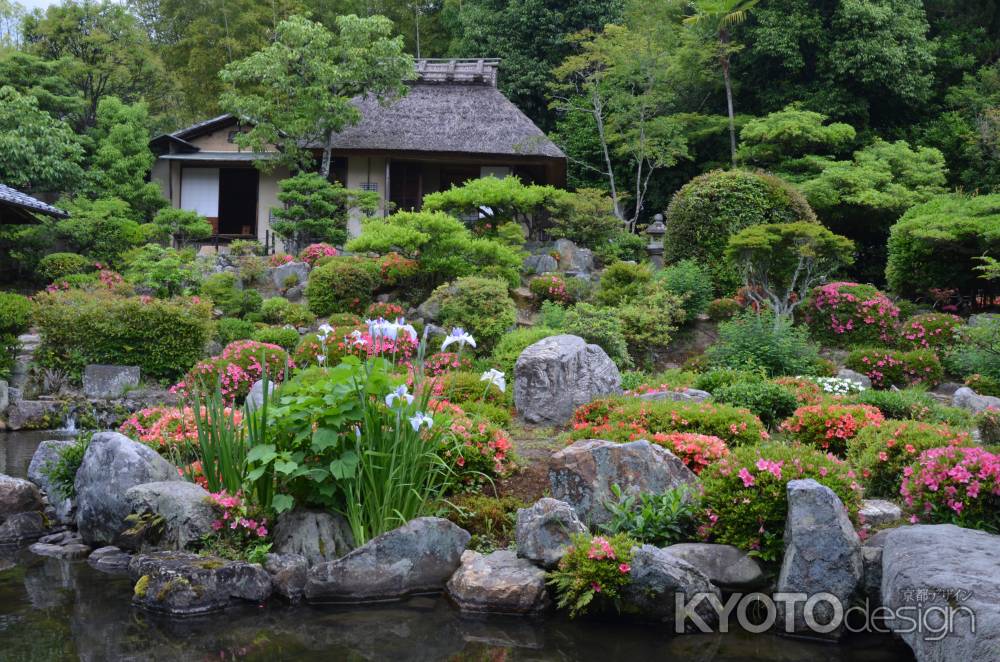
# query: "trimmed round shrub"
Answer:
x=279 y=310
x=648 y=324
x=481 y=306
x=745 y=494
x=15 y=313
x=770 y=402
x=622 y=282
x=283 y=336
x=710 y=208
x=881 y=454
x=54 y=266
x=229 y=329
x=461 y=387
x=887 y=367
x=235 y=370
x=935 y=331
x=602 y=327
x=512 y=344
x=312 y=253
x=549 y=287
x=224 y=291
x=954 y=484
x=342 y=285
x=628 y=419
x=691 y=282
x=720 y=310
x=719 y=378
x=846 y=314
x=831 y=427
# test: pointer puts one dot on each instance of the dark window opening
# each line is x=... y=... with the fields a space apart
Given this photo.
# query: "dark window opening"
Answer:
x=238 y=201
x=406 y=187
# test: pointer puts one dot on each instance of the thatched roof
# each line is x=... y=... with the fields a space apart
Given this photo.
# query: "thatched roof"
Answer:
x=453 y=106
x=473 y=118
x=21 y=206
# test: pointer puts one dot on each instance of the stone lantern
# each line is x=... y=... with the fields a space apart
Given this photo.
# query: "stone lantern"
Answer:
x=656 y=230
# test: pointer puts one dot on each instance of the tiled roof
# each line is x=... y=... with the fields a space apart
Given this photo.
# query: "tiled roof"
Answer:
x=14 y=197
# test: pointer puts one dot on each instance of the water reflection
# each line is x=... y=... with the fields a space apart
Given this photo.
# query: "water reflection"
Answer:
x=59 y=610
x=16 y=448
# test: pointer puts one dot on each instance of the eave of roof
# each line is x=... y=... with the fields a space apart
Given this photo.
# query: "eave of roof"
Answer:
x=221 y=157
x=14 y=198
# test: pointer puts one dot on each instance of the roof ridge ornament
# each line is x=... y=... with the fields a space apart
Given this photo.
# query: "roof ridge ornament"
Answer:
x=481 y=70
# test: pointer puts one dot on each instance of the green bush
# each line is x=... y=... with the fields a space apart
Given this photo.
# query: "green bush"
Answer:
x=62 y=470
x=692 y=282
x=229 y=329
x=602 y=327
x=879 y=454
x=166 y=272
x=591 y=576
x=912 y=404
x=15 y=316
x=889 y=367
x=279 y=310
x=491 y=412
x=164 y=338
x=746 y=494
x=655 y=519
x=512 y=344
x=102 y=229
x=710 y=208
x=182 y=225
x=623 y=245
x=588 y=219
x=552 y=315
x=936 y=245
x=622 y=282
x=481 y=306
x=937 y=331
x=771 y=402
x=719 y=378
x=462 y=387
x=626 y=419
x=648 y=324
x=54 y=266
x=977 y=357
x=283 y=336
x=758 y=342
x=342 y=285
x=224 y=292
x=720 y=310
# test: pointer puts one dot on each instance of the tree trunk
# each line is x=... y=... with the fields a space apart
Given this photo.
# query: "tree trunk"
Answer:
x=324 y=168
x=724 y=39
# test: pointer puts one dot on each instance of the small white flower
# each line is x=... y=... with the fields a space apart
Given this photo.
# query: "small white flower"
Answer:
x=419 y=419
x=496 y=378
x=357 y=338
x=458 y=335
x=401 y=393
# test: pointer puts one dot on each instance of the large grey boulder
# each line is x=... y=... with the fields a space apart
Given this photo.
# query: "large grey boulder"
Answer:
x=498 y=583
x=18 y=495
x=584 y=473
x=573 y=258
x=728 y=567
x=34 y=414
x=558 y=374
x=111 y=560
x=544 y=531
x=112 y=464
x=683 y=395
x=47 y=456
x=658 y=578
x=109 y=381
x=940 y=572
x=314 y=534
x=185 y=584
x=539 y=264
x=822 y=554
x=282 y=274
x=418 y=557
x=966 y=398
x=879 y=512
x=288 y=574
x=22 y=527
x=185 y=510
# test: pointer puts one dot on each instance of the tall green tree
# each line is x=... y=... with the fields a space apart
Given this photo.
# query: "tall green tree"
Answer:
x=296 y=93
x=38 y=153
x=103 y=49
x=121 y=161
x=44 y=80
x=721 y=16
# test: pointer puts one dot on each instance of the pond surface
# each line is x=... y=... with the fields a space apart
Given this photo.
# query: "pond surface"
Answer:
x=52 y=609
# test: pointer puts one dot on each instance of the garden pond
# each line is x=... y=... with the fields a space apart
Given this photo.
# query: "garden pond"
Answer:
x=52 y=609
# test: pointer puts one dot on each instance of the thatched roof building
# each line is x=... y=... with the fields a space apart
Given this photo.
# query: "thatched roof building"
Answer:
x=18 y=207
x=453 y=125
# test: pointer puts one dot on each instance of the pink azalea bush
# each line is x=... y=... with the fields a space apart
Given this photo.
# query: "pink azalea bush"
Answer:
x=442 y=363
x=880 y=454
x=929 y=331
x=239 y=531
x=745 y=493
x=888 y=367
x=830 y=427
x=389 y=311
x=235 y=370
x=313 y=253
x=954 y=484
x=549 y=287
x=279 y=259
x=477 y=449
x=593 y=573
x=697 y=451
x=850 y=314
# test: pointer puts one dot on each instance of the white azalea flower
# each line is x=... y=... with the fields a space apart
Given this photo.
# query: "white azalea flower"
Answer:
x=401 y=393
x=496 y=378
x=419 y=419
x=458 y=335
